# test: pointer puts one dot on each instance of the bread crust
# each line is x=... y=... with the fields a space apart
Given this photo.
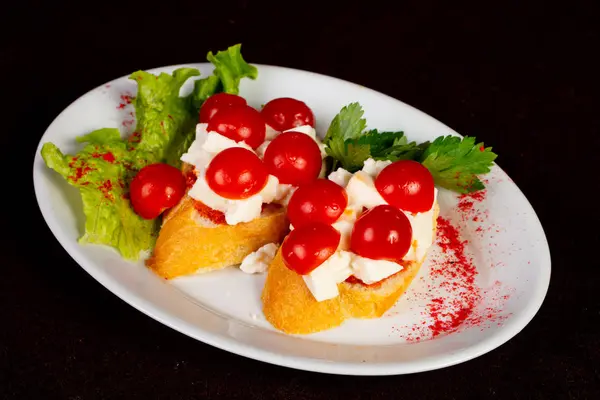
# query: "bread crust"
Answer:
x=188 y=243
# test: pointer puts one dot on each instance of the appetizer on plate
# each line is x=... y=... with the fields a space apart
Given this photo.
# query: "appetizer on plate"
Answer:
x=340 y=225
x=360 y=236
x=357 y=243
x=240 y=172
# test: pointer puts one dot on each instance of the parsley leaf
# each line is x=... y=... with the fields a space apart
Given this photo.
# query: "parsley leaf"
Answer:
x=350 y=156
x=378 y=142
x=455 y=162
x=347 y=124
x=402 y=150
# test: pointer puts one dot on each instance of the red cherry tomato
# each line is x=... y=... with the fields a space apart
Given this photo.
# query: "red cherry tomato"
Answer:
x=309 y=246
x=156 y=188
x=286 y=113
x=219 y=102
x=294 y=158
x=319 y=201
x=382 y=233
x=407 y=185
x=236 y=173
x=239 y=123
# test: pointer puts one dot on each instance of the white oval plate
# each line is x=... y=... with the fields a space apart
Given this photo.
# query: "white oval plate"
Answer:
x=223 y=309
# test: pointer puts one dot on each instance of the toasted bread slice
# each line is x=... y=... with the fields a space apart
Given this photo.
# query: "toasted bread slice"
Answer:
x=189 y=243
x=290 y=307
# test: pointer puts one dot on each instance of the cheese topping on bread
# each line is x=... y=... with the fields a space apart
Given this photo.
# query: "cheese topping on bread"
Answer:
x=206 y=146
x=362 y=193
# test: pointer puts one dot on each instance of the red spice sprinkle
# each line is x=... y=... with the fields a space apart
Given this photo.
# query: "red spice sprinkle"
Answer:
x=135 y=137
x=449 y=313
x=481 y=148
x=162 y=126
x=105 y=188
x=170 y=116
x=466 y=205
x=80 y=172
x=106 y=156
x=125 y=98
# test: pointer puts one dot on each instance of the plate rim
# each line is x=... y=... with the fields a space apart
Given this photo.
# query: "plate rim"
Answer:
x=234 y=346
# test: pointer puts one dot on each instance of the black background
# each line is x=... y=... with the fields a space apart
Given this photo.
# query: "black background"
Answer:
x=521 y=78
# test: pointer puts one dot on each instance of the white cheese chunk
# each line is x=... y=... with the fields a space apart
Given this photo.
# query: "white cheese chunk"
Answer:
x=370 y=271
x=323 y=280
x=259 y=261
x=340 y=176
x=373 y=168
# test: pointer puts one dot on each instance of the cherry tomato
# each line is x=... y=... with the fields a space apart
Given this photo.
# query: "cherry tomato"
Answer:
x=239 y=123
x=407 y=185
x=286 y=113
x=319 y=201
x=236 y=173
x=156 y=188
x=219 y=102
x=382 y=233
x=309 y=246
x=294 y=158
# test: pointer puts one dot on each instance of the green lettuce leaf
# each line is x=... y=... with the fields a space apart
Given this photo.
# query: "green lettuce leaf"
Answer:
x=101 y=172
x=163 y=117
x=204 y=88
x=165 y=124
x=101 y=136
x=231 y=67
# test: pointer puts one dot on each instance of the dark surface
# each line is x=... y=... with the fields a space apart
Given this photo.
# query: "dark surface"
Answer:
x=520 y=78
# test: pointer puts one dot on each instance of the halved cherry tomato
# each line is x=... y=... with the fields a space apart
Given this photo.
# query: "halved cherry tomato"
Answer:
x=407 y=185
x=218 y=102
x=239 y=123
x=319 y=201
x=236 y=173
x=294 y=158
x=382 y=233
x=309 y=246
x=156 y=188
x=286 y=113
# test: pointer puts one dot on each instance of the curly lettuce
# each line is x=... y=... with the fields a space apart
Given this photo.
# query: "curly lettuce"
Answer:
x=165 y=121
